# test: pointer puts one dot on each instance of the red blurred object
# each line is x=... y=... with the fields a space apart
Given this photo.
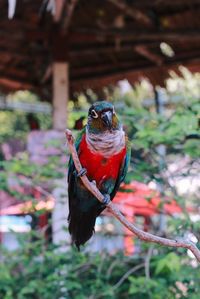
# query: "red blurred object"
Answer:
x=9 y=205
x=138 y=199
x=134 y=199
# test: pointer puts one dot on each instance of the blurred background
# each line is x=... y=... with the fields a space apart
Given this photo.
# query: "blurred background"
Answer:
x=58 y=57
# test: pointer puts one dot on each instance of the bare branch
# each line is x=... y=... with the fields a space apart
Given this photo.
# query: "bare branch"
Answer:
x=142 y=235
x=127 y=274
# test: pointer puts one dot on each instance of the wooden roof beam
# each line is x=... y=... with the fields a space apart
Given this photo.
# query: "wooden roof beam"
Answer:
x=59 y=5
x=107 y=49
x=145 y=52
x=93 y=35
x=69 y=13
x=111 y=78
x=87 y=71
x=102 y=68
x=14 y=54
x=14 y=84
x=20 y=74
x=164 y=3
x=132 y=12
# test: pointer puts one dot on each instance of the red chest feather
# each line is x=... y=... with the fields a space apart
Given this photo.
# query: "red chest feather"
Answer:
x=98 y=167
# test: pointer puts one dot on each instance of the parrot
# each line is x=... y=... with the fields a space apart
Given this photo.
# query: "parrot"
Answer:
x=104 y=152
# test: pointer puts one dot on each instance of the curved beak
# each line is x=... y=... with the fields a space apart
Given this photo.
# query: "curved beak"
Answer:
x=107 y=119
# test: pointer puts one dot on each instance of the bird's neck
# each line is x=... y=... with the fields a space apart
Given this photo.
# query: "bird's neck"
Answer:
x=107 y=144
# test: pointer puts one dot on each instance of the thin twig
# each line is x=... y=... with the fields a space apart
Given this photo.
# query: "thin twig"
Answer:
x=147 y=261
x=144 y=236
x=113 y=264
x=127 y=274
x=122 y=279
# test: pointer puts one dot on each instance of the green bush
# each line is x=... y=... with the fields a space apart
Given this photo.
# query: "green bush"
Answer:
x=39 y=271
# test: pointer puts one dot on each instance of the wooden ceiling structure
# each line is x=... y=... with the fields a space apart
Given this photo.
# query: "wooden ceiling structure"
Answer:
x=103 y=41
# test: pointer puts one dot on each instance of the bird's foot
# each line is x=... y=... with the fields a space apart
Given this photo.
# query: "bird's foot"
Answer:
x=81 y=173
x=106 y=200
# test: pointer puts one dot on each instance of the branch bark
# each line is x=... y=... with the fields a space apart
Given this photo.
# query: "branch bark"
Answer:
x=142 y=235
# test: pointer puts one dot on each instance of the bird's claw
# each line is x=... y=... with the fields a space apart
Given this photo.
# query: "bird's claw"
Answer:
x=106 y=200
x=81 y=173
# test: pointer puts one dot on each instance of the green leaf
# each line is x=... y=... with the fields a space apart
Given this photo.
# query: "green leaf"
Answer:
x=170 y=263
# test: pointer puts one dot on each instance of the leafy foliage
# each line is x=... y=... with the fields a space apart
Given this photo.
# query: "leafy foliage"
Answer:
x=40 y=271
x=14 y=124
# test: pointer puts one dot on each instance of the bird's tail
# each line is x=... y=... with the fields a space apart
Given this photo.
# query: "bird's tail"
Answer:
x=81 y=225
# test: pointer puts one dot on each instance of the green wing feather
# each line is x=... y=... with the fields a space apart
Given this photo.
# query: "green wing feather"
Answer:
x=123 y=169
x=77 y=143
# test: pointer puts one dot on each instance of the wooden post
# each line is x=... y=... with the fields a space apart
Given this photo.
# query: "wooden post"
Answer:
x=60 y=100
x=60 y=95
x=60 y=212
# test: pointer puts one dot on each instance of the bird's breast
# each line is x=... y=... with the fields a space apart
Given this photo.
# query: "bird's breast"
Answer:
x=107 y=144
x=100 y=168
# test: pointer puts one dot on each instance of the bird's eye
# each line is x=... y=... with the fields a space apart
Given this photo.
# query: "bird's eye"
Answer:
x=94 y=114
